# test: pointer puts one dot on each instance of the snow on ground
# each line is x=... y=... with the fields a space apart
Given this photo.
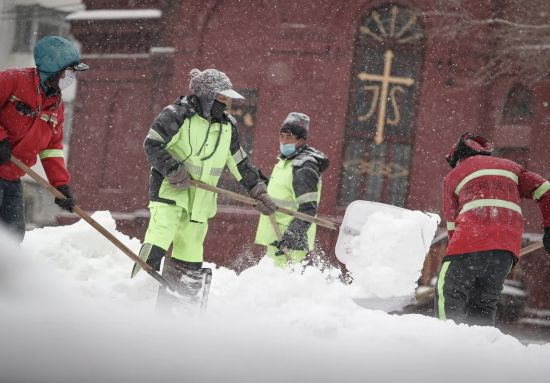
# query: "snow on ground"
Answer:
x=69 y=313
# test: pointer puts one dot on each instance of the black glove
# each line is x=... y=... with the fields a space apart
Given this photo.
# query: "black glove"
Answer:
x=546 y=239
x=179 y=177
x=68 y=202
x=294 y=238
x=5 y=151
x=265 y=204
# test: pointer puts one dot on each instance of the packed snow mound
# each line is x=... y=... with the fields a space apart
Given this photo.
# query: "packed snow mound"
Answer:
x=98 y=267
x=70 y=313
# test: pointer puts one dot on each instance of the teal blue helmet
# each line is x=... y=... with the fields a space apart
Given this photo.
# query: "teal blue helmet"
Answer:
x=52 y=54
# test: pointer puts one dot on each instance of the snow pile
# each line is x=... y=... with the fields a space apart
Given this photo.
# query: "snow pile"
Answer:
x=83 y=254
x=384 y=247
x=390 y=252
x=70 y=313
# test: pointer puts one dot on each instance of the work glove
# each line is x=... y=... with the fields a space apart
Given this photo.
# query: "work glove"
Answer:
x=5 y=151
x=546 y=239
x=179 y=177
x=152 y=255
x=294 y=238
x=265 y=204
x=68 y=202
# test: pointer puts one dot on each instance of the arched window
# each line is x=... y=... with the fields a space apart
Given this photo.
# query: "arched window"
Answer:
x=518 y=107
x=513 y=134
x=381 y=119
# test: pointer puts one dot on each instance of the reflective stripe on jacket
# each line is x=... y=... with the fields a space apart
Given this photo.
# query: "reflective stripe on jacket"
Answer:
x=184 y=146
x=178 y=134
x=281 y=188
x=31 y=134
x=481 y=201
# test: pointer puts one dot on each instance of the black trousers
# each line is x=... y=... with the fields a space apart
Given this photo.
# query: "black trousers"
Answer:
x=12 y=208
x=469 y=286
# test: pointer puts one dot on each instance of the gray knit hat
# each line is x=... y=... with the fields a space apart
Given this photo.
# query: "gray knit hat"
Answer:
x=297 y=124
x=208 y=83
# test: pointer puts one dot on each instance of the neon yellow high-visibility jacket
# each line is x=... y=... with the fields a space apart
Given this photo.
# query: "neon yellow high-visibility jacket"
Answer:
x=179 y=134
x=295 y=183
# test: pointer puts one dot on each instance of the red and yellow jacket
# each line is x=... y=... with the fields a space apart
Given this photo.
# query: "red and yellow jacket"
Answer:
x=481 y=204
x=37 y=131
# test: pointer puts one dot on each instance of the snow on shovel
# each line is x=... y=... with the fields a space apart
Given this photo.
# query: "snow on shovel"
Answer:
x=384 y=247
x=86 y=217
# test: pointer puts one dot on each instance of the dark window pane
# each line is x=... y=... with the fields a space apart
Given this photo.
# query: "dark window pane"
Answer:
x=518 y=107
x=399 y=174
x=375 y=171
x=351 y=174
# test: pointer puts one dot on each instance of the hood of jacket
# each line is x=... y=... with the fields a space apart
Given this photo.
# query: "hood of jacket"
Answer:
x=307 y=153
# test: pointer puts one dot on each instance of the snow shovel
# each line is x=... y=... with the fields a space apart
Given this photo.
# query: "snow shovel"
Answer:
x=86 y=217
x=385 y=254
x=356 y=216
x=251 y=201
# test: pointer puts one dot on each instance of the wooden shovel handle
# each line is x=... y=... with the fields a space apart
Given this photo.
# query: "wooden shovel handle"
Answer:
x=251 y=201
x=531 y=247
x=86 y=217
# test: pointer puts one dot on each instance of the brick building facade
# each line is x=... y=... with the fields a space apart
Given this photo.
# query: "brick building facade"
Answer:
x=387 y=95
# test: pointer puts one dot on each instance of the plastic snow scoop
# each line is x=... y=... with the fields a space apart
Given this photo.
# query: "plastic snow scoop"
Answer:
x=86 y=217
x=251 y=201
x=357 y=214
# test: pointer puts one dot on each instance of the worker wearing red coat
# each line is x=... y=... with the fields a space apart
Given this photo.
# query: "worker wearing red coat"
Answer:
x=481 y=204
x=31 y=124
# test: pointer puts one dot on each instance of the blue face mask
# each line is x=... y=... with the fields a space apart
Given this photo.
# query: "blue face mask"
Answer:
x=287 y=149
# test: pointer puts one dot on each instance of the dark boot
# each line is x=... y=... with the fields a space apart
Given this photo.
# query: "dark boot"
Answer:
x=152 y=255
x=187 y=278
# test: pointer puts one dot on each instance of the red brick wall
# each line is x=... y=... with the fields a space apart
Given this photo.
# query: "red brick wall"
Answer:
x=261 y=45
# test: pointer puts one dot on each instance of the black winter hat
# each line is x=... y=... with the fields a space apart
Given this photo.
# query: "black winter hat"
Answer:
x=297 y=124
x=469 y=144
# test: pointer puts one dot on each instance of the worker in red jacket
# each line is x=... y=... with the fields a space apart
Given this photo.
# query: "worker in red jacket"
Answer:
x=481 y=203
x=31 y=125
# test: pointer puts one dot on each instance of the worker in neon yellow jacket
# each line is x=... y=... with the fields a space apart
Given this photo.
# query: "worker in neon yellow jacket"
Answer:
x=295 y=183
x=193 y=138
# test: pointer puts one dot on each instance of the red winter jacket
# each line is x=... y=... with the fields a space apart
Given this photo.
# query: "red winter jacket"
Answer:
x=481 y=204
x=30 y=136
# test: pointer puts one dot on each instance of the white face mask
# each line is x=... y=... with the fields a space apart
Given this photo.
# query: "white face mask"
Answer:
x=65 y=82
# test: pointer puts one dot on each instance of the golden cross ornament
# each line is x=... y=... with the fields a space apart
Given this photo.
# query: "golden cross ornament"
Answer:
x=385 y=79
